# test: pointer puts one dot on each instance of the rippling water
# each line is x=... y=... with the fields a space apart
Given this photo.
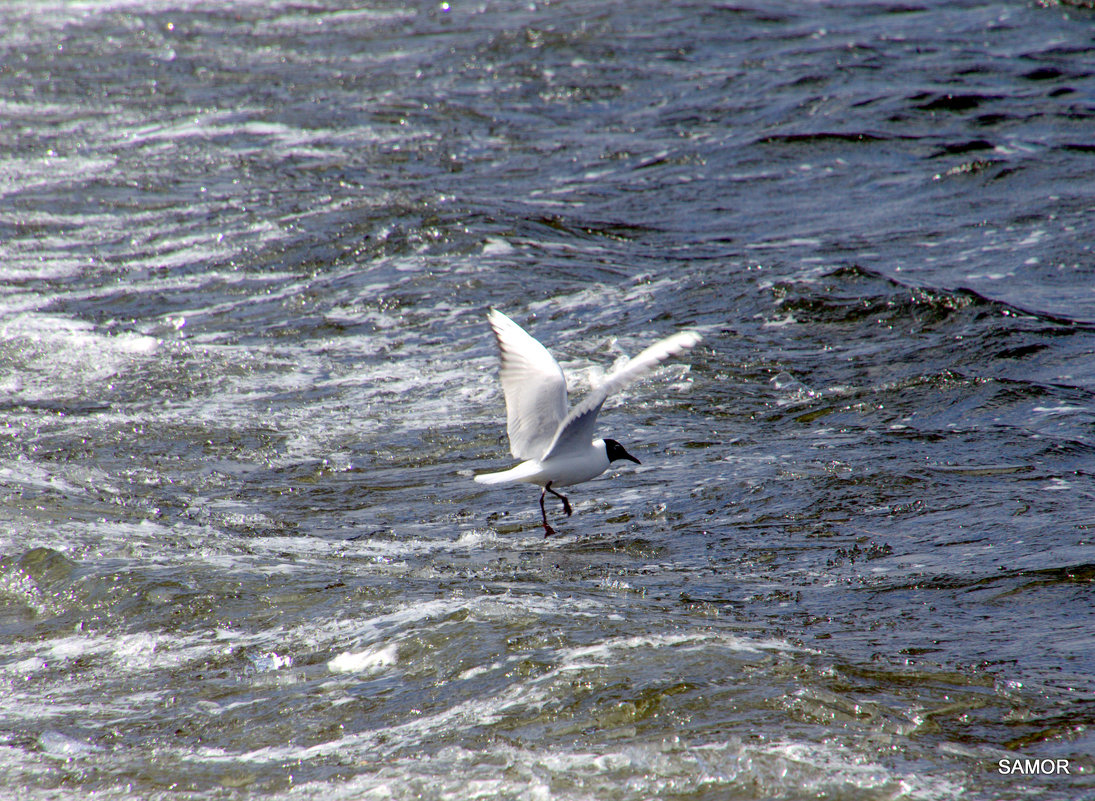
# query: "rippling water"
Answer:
x=246 y=251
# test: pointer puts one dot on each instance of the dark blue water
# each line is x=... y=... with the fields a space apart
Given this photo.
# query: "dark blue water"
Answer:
x=246 y=251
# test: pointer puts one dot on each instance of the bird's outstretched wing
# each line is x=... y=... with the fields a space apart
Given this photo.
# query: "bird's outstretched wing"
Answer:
x=576 y=430
x=534 y=386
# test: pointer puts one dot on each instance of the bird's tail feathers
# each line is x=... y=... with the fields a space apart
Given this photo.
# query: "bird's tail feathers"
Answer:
x=493 y=478
x=519 y=473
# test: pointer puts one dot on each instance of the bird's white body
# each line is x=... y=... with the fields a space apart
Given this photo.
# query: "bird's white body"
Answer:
x=557 y=446
x=559 y=471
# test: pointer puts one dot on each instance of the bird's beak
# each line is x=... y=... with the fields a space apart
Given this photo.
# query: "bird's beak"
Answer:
x=632 y=458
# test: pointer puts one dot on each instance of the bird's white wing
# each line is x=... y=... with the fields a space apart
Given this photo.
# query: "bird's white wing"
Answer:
x=576 y=430
x=534 y=386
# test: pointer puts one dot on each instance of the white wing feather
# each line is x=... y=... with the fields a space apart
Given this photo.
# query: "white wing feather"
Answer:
x=576 y=429
x=534 y=386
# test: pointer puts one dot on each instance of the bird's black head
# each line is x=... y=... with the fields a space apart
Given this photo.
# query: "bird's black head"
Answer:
x=615 y=450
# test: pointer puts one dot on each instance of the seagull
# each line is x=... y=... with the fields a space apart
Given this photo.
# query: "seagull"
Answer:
x=557 y=447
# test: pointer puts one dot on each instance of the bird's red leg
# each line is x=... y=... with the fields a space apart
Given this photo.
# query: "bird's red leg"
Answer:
x=548 y=530
x=563 y=498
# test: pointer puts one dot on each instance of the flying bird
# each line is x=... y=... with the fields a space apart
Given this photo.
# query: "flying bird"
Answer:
x=557 y=447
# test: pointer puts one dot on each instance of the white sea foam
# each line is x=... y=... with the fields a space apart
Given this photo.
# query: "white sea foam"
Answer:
x=57 y=744
x=521 y=698
x=43 y=346
x=368 y=660
x=495 y=246
x=649 y=769
x=1062 y=408
x=826 y=767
